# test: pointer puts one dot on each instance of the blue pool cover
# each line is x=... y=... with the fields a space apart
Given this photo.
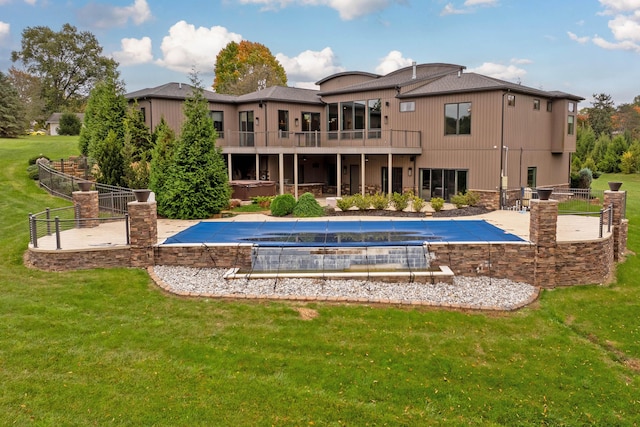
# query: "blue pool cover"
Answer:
x=342 y=233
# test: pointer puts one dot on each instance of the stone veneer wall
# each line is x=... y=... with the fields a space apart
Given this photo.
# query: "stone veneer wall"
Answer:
x=81 y=259
x=203 y=256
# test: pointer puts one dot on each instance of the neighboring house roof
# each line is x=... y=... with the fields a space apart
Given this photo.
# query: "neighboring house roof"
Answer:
x=274 y=93
x=55 y=117
x=472 y=82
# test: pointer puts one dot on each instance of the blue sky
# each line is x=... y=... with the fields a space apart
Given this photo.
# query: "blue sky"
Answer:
x=577 y=46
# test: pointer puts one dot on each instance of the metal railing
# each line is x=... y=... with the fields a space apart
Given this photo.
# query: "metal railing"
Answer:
x=360 y=137
x=111 y=199
x=53 y=222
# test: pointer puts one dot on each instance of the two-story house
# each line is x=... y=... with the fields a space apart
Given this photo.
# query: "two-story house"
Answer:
x=430 y=128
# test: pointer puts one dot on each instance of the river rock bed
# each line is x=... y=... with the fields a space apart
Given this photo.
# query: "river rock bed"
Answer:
x=466 y=292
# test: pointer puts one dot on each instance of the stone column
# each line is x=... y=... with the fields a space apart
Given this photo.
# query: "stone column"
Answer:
x=143 y=232
x=543 y=225
x=619 y=225
x=87 y=208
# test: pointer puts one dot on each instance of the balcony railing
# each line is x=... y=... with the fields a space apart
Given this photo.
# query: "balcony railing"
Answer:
x=290 y=139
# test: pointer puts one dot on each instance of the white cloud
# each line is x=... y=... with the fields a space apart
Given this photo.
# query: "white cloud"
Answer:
x=469 y=6
x=392 y=62
x=499 y=71
x=618 y=6
x=187 y=46
x=624 y=45
x=348 y=9
x=309 y=66
x=521 y=61
x=625 y=26
x=449 y=9
x=106 y=16
x=5 y=30
x=470 y=3
x=574 y=37
x=134 y=51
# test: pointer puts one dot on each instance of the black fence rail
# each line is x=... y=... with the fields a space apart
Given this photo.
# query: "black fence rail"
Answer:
x=111 y=199
x=52 y=223
x=571 y=201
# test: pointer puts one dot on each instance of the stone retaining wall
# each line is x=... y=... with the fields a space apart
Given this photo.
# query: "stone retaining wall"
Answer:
x=81 y=259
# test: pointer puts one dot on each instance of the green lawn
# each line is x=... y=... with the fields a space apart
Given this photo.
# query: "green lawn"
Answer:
x=106 y=347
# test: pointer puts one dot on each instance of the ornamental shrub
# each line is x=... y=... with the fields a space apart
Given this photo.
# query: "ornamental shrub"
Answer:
x=361 y=202
x=308 y=207
x=70 y=124
x=418 y=203
x=437 y=203
x=400 y=201
x=345 y=203
x=459 y=200
x=379 y=201
x=283 y=205
x=472 y=197
x=33 y=171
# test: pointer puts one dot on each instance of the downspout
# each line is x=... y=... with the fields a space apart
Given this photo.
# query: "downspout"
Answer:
x=500 y=188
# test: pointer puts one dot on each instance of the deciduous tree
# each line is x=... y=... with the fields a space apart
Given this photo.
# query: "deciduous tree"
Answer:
x=246 y=67
x=68 y=64
x=29 y=90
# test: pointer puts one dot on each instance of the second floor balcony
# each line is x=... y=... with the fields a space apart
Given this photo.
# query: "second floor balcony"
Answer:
x=401 y=141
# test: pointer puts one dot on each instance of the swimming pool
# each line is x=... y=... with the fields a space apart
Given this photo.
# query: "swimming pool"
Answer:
x=342 y=233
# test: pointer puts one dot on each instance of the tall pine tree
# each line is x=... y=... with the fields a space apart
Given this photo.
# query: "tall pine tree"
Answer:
x=197 y=185
x=11 y=110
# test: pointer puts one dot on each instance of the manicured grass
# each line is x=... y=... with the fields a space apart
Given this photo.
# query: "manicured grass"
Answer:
x=106 y=347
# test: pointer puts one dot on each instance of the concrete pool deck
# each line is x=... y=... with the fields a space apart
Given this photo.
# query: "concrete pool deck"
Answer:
x=570 y=228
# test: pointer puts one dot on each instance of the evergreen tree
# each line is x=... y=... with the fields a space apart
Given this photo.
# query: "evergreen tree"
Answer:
x=11 y=110
x=600 y=115
x=161 y=159
x=197 y=185
x=110 y=160
x=104 y=116
x=137 y=133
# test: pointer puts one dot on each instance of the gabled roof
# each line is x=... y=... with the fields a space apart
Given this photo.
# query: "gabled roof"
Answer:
x=55 y=117
x=472 y=82
x=177 y=91
x=398 y=78
x=181 y=91
x=282 y=94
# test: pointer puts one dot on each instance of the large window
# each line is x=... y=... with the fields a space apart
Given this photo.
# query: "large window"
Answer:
x=536 y=104
x=443 y=183
x=374 y=118
x=457 y=119
x=218 y=122
x=353 y=115
x=283 y=123
x=246 y=128
x=570 y=125
x=532 y=173
x=333 y=120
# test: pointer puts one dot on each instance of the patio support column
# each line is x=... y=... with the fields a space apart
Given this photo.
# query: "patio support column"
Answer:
x=87 y=207
x=363 y=162
x=281 y=171
x=620 y=226
x=295 y=175
x=339 y=175
x=390 y=173
x=257 y=167
x=543 y=225
x=229 y=167
x=143 y=232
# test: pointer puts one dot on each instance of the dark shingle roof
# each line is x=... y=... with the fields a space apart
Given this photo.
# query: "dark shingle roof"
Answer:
x=177 y=91
x=398 y=78
x=472 y=82
x=274 y=93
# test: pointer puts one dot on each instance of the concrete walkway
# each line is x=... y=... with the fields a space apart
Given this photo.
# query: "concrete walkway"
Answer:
x=112 y=234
